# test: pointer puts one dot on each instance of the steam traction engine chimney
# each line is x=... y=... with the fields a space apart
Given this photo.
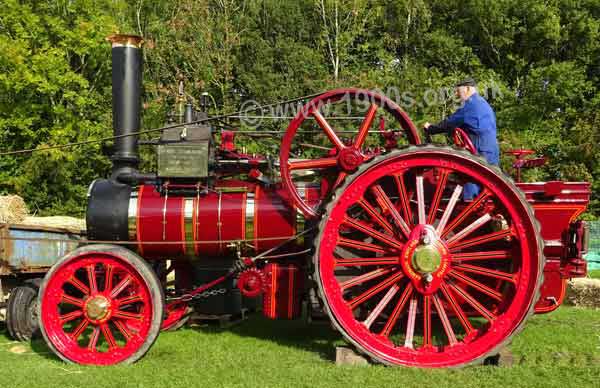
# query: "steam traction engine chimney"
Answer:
x=108 y=199
x=126 y=102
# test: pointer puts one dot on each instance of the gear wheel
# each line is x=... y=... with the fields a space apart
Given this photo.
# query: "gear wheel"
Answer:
x=252 y=282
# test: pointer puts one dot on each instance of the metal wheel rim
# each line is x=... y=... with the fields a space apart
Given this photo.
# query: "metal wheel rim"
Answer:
x=511 y=314
x=78 y=337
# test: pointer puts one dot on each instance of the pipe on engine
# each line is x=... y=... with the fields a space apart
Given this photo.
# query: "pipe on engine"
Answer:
x=126 y=101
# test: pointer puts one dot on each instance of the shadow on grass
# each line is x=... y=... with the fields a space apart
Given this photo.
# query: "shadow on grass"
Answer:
x=317 y=338
x=37 y=344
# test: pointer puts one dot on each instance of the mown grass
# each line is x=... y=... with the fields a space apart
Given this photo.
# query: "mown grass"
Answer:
x=561 y=349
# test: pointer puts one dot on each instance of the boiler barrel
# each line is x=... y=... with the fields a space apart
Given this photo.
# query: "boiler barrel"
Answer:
x=210 y=224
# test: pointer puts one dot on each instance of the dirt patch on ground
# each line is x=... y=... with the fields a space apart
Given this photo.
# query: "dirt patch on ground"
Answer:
x=583 y=292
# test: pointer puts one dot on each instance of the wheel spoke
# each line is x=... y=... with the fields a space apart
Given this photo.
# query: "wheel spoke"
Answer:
x=340 y=178
x=312 y=163
x=477 y=285
x=346 y=242
x=70 y=316
x=327 y=129
x=376 y=216
x=387 y=206
x=391 y=322
x=121 y=286
x=354 y=303
x=366 y=261
x=410 y=326
x=473 y=302
x=426 y=320
x=478 y=223
x=449 y=208
x=94 y=339
x=91 y=274
x=317 y=147
x=381 y=305
x=495 y=236
x=437 y=196
x=365 y=126
x=79 y=329
x=465 y=212
x=445 y=321
x=404 y=200
x=458 y=311
x=458 y=258
x=365 y=277
x=362 y=227
x=108 y=335
x=79 y=285
x=130 y=299
x=127 y=315
x=128 y=334
x=65 y=298
x=420 y=200
x=108 y=277
x=487 y=272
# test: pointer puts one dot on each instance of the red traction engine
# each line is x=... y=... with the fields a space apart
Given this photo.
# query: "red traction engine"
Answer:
x=377 y=238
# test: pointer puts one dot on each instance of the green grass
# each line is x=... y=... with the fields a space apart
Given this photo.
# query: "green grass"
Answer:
x=561 y=349
x=594 y=273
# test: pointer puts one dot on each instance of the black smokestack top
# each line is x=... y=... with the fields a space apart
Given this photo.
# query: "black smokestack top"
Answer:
x=126 y=101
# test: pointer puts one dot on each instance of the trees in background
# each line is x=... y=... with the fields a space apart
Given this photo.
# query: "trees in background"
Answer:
x=542 y=57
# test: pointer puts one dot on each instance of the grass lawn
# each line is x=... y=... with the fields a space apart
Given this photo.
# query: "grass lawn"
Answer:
x=561 y=349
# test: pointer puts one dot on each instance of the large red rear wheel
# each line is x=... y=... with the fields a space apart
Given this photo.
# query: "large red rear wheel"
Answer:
x=101 y=305
x=345 y=154
x=412 y=275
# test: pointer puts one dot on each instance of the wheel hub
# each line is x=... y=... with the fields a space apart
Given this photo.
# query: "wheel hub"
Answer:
x=97 y=308
x=350 y=158
x=426 y=259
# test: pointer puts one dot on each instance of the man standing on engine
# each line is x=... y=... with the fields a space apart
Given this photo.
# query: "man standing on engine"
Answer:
x=478 y=119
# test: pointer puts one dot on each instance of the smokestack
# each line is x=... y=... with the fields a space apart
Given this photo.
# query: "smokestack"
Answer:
x=126 y=102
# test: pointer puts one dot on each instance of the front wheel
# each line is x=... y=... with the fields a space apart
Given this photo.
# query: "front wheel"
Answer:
x=101 y=305
x=413 y=275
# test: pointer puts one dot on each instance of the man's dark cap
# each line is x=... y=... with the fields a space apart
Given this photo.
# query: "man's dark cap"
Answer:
x=467 y=82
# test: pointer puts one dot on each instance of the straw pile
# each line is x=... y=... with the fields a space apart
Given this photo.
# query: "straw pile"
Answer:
x=12 y=209
x=584 y=292
x=70 y=223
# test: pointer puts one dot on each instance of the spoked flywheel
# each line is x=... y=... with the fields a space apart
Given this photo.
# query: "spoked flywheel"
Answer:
x=412 y=274
x=347 y=144
x=101 y=305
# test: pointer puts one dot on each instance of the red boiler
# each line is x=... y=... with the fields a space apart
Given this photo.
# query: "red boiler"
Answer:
x=247 y=217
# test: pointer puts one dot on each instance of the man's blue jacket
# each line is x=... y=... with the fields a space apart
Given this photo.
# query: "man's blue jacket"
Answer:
x=478 y=119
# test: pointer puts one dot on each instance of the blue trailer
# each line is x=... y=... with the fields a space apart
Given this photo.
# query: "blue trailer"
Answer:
x=26 y=254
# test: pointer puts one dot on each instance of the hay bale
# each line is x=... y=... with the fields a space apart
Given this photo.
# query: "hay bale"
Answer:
x=584 y=292
x=70 y=223
x=12 y=209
